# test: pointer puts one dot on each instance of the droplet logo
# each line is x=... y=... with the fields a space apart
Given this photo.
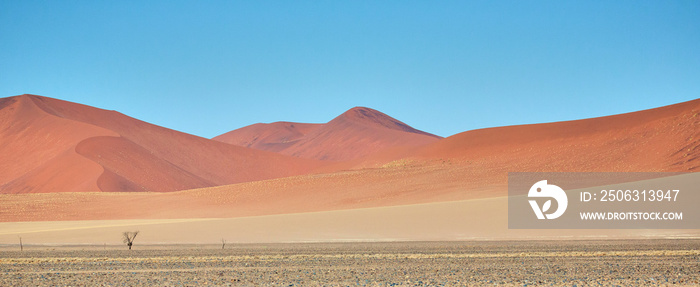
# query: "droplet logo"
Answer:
x=542 y=189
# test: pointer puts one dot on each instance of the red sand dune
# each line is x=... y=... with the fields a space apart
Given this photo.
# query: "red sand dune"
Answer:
x=50 y=145
x=356 y=133
x=469 y=165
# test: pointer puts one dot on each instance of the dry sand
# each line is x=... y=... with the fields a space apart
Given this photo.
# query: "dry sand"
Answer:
x=396 y=185
x=483 y=219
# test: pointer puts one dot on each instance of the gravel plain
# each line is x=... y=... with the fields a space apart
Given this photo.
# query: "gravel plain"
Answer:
x=474 y=263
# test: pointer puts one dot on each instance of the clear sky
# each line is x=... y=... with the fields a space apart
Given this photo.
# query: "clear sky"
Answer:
x=207 y=67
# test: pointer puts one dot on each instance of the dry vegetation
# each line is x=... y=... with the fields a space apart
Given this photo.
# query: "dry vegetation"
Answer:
x=581 y=263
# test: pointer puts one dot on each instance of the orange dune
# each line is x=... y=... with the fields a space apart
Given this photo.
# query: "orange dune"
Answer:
x=356 y=133
x=56 y=146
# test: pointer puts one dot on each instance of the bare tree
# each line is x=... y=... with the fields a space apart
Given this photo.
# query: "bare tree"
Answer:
x=21 y=247
x=129 y=237
x=223 y=243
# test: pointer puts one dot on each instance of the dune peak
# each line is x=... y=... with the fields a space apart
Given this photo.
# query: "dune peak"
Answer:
x=371 y=116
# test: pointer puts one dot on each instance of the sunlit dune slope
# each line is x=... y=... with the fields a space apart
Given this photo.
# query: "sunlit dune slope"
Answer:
x=50 y=145
x=660 y=139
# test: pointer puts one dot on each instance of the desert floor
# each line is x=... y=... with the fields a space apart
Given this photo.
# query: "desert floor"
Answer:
x=464 y=263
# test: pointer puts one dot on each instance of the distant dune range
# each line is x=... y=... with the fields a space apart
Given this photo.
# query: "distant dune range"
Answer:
x=356 y=133
x=361 y=159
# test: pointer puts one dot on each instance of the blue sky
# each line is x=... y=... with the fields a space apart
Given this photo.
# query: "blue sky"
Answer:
x=207 y=67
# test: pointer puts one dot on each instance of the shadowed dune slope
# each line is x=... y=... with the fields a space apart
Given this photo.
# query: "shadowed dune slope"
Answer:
x=356 y=133
x=50 y=145
x=271 y=137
